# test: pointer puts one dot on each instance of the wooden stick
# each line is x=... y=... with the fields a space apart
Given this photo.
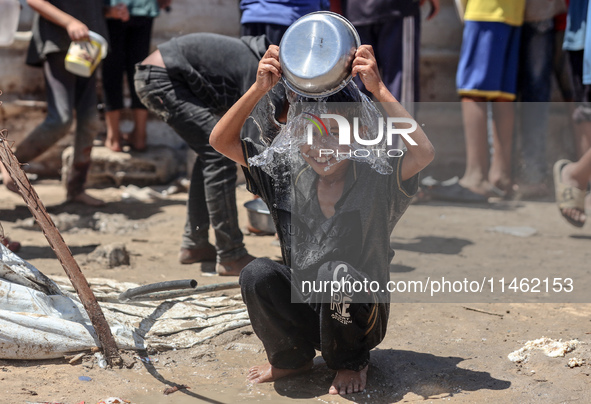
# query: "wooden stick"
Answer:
x=63 y=253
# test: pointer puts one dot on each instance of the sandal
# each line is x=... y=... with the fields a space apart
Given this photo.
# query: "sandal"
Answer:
x=568 y=196
x=13 y=246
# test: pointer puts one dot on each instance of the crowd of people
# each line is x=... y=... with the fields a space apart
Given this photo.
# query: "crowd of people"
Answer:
x=510 y=51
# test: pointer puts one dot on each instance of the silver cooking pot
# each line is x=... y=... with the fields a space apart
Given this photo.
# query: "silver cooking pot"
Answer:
x=316 y=53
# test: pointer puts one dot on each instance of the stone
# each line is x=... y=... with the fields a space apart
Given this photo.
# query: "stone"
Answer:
x=110 y=255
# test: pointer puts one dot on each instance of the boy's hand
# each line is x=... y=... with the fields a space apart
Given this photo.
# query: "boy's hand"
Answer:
x=269 y=71
x=118 y=12
x=366 y=67
x=77 y=30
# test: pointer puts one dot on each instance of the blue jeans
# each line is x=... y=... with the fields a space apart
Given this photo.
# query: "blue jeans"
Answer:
x=66 y=93
x=212 y=195
x=534 y=87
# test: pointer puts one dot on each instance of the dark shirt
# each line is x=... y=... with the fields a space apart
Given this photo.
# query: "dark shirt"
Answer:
x=367 y=12
x=359 y=231
x=51 y=38
x=217 y=68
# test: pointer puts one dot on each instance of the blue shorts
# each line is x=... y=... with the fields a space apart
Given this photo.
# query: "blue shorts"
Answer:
x=488 y=60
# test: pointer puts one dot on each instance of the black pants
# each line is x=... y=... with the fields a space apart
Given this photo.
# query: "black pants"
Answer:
x=130 y=44
x=291 y=332
x=212 y=195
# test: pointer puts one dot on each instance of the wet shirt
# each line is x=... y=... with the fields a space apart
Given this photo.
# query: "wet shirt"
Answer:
x=359 y=231
x=217 y=68
x=51 y=38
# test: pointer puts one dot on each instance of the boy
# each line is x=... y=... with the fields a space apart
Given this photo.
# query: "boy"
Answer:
x=330 y=211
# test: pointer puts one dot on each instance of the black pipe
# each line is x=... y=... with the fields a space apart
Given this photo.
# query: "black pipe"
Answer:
x=158 y=287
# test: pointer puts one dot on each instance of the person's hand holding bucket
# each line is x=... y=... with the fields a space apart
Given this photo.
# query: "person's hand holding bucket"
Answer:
x=85 y=55
x=77 y=30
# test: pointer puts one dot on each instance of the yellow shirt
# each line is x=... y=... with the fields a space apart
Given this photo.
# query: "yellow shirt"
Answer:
x=507 y=11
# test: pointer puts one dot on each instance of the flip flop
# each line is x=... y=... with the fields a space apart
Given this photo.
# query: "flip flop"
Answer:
x=568 y=196
x=456 y=193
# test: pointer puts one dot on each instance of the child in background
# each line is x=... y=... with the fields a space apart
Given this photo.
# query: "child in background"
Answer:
x=58 y=23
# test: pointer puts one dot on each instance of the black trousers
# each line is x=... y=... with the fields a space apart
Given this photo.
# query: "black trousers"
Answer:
x=130 y=44
x=291 y=332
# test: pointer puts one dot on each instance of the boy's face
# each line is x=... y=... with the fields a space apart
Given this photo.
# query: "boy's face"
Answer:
x=321 y=154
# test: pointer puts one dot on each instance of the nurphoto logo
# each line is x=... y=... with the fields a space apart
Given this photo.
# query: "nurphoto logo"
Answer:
x=345 y=129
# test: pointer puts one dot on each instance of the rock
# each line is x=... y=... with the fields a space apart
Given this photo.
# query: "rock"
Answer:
x=156 y=165
x=111 y=255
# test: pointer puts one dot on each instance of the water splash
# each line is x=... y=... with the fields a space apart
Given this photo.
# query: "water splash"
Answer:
x=284 y=141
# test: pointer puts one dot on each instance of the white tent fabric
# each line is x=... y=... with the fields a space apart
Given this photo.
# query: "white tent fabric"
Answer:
x=39 y=321
x=42 y=318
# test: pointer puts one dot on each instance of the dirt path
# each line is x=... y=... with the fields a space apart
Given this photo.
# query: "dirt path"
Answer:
x=450 y=347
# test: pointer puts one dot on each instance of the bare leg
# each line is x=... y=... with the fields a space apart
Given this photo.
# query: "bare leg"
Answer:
x=503 y=121
x=268 y=373
x=113 y=140
x=348 y=381
x=8 y=182
x=477 y=157
x=578 y=174
x=138 y=136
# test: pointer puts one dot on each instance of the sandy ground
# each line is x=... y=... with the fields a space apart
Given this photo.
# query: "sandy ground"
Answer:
x=450 y=348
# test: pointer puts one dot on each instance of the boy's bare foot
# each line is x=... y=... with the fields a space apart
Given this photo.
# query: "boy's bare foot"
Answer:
x=268 y=373
x=348 y=381
x=113 y=144
x=86 y=199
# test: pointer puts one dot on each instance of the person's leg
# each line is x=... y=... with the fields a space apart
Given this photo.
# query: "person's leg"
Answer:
x=535 y=74
x=577 y=175
x=195 y=246
x=60 y=87
x=86 y=130
x=138 y=39
x=289 y=331
x=474 y=114
x=152 y=86
x=113 y=140
x=112 y=76
x=139 y=135
x=503 y=121
x=351 y=324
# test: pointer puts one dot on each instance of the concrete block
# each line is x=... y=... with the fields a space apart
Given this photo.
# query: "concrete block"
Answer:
x=156 y=165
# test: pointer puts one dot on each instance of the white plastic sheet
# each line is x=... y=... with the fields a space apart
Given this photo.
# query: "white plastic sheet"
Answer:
x=42 y=318
x=39 y=321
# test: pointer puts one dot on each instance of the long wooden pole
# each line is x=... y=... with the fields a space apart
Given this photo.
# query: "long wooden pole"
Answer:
x=63 y=253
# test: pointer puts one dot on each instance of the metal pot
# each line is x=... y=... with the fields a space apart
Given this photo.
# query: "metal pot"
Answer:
x=259 y=216
x=316 y=53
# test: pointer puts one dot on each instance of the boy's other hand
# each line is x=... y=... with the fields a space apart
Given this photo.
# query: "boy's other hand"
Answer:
x=77 y=31
x=269 y=71
x=366 y=67
x=119 y=12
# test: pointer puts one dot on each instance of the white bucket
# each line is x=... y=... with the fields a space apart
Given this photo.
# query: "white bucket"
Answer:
x=9 y=14
x=84 y=56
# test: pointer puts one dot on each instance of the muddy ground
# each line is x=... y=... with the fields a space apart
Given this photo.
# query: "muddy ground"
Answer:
x=438 y=349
